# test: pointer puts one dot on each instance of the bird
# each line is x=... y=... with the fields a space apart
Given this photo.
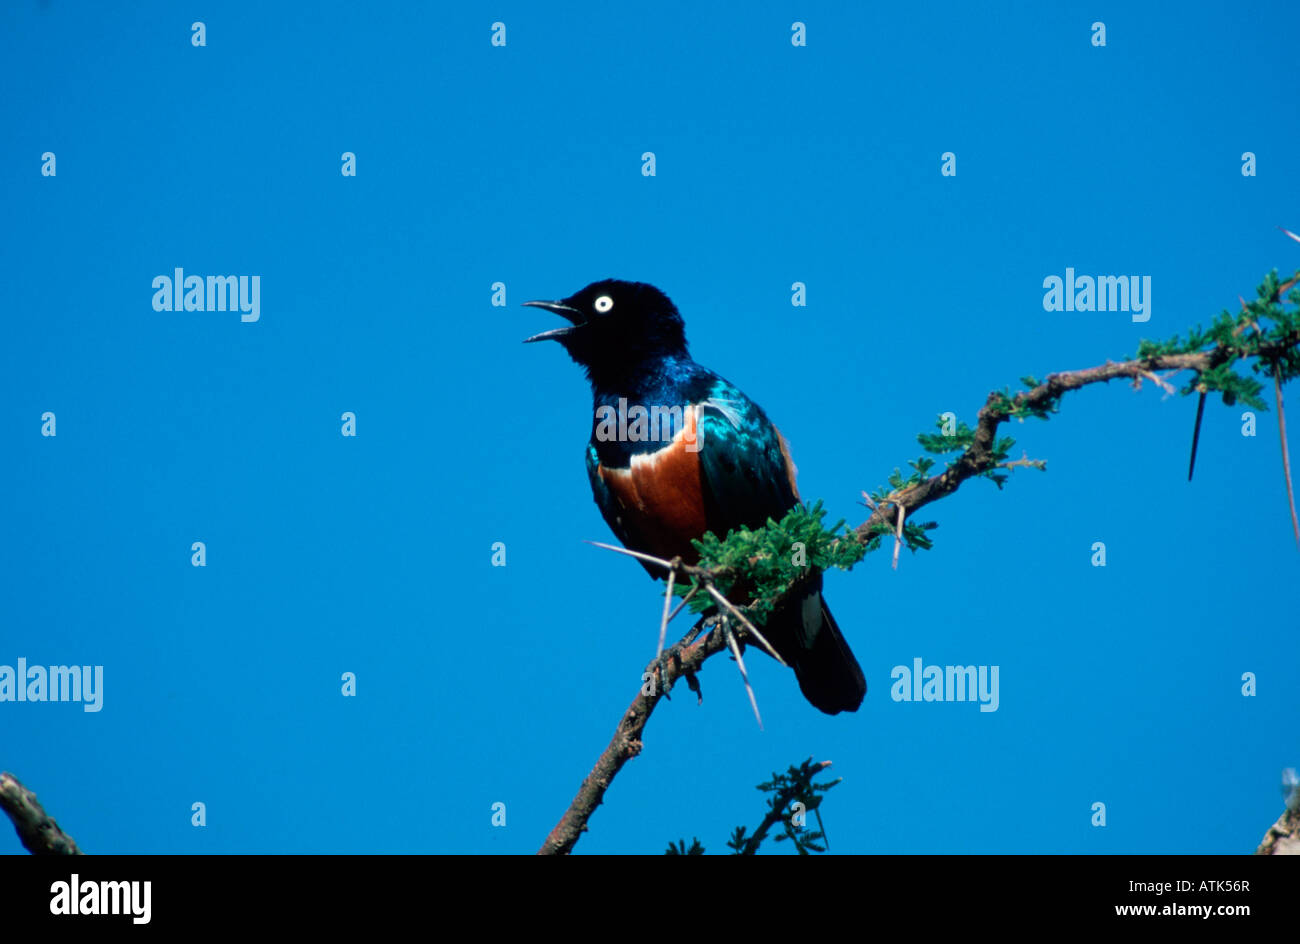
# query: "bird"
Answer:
x=676 y=451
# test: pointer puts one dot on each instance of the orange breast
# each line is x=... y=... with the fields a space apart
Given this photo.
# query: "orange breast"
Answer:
x=661 y=494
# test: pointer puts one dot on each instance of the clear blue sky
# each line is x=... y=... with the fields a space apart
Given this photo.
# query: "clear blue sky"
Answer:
x=522 y=164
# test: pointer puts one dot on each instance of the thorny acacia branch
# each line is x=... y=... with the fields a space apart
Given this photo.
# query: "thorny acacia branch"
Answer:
x=981 y=458
x=39 y=833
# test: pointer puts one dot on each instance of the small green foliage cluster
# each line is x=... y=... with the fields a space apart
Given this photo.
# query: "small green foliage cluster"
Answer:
x=962 y=438
x=1006 y=403
x=1262 y=322
x=767 y=556
x=914 y=535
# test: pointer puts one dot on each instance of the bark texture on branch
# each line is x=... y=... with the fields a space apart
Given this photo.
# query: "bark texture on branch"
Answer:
x=979 y=456
x=1283 y=837
x=39 y=833
x=683 y=659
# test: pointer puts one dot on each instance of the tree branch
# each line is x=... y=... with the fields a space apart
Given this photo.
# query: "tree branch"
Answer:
x=980 y=456
x=39 y=833
x=685 y=658
x=797 y=784
x=978 y=459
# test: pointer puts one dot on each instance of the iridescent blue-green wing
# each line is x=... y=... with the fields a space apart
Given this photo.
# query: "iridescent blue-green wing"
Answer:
x=747 y=478
x=746 y=473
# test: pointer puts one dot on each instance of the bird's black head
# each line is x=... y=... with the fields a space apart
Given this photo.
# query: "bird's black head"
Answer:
x=616 y=327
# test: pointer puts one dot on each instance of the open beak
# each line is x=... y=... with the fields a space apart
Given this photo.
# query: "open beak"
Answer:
x=564 y=311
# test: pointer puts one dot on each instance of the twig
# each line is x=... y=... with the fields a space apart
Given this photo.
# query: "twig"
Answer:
x=1286 y=454
x=1024 y=462
x=1160 y=382
x=706 y=576
x=740 y=661
x=649 y=558
x=685 y=600
x=39 y=833
x=663 y=625
x=821 y=827
x=753 y=630
x=675 y=565
x=778 y=806
x=898 y=535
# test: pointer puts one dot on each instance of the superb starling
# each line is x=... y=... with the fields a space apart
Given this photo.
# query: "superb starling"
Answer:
x=676 y=451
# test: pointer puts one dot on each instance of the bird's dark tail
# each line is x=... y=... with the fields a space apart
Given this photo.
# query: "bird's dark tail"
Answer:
x=808 y=638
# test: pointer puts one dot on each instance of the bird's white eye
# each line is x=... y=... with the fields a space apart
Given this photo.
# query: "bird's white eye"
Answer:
x=604 y=304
